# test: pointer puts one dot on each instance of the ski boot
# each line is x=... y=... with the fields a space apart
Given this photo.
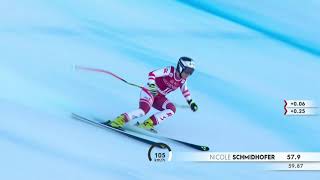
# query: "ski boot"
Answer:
x=147 y=125
x=118 y=122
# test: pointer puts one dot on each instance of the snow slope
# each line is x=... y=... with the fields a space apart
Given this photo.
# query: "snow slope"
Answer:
x=243 y=75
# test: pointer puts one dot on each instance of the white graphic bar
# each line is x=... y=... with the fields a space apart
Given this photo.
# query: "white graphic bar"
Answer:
x=294 y=167
x=248 y=156
x=301 y=112
x=300 y=103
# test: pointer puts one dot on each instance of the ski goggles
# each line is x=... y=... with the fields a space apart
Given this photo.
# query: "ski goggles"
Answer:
x=188 y=70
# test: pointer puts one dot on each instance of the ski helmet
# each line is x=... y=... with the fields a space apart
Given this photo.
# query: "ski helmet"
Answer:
x=185 y=64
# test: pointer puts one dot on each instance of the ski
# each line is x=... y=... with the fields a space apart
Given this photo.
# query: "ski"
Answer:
x=155 y=135
x=133 y=131
x=130 y=134
x=194 y=146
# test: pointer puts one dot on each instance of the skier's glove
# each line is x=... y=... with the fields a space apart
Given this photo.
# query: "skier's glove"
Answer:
x=193 y=105
x=153 y=89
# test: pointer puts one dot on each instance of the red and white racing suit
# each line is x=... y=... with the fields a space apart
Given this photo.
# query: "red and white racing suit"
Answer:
x=166 y=81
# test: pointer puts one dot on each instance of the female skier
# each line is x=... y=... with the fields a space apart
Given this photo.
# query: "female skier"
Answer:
x=161 y=82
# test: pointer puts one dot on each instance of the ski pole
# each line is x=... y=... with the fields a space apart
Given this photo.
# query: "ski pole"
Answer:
x=107 y=72
x=120 y=78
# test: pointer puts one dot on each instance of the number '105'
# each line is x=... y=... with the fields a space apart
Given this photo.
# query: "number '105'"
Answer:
x=160 y=155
